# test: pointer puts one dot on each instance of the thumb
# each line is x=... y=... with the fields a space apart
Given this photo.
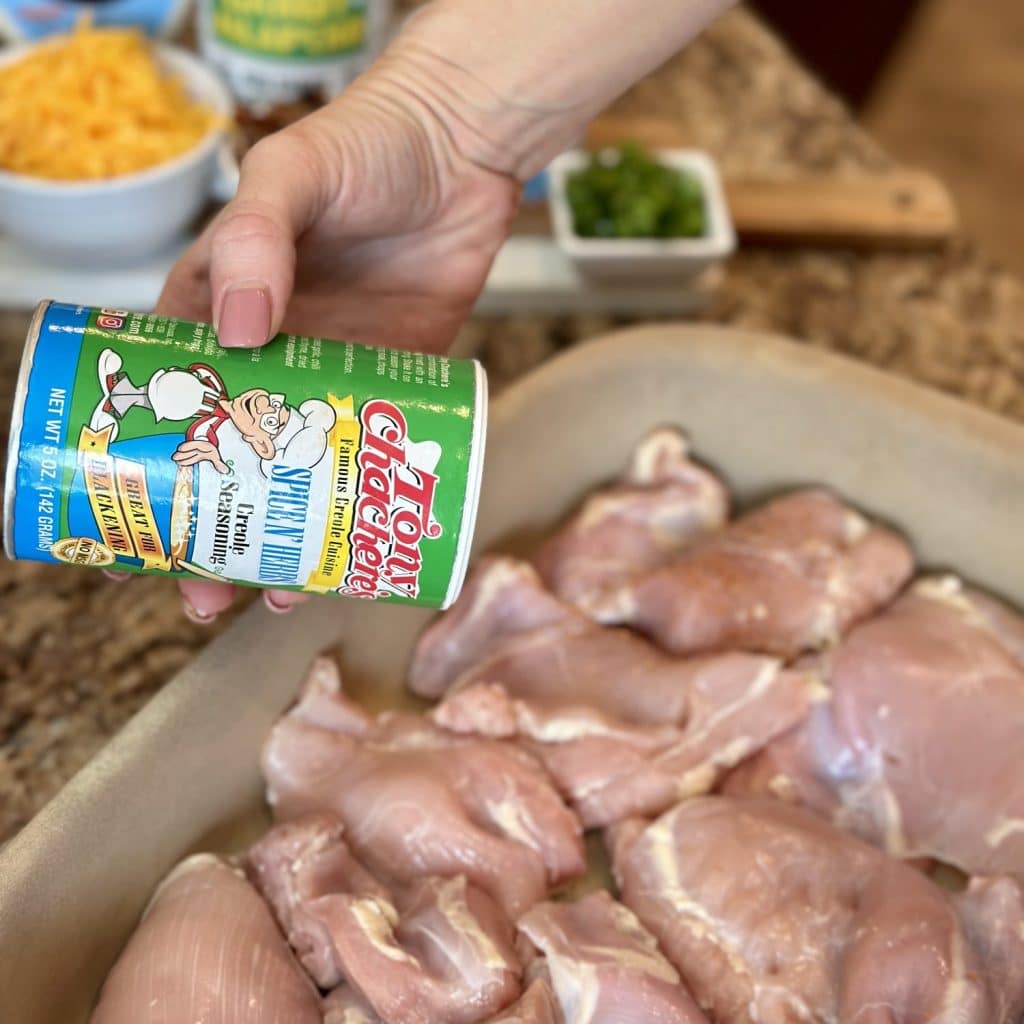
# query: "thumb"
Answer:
x=252 y=246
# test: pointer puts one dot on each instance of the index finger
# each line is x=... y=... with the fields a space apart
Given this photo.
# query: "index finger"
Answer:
x=204 y=600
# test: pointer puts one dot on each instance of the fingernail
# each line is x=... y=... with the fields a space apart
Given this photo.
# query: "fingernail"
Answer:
x=244 y=318
x=199 y=618
x=117 y=577
x=279 y=607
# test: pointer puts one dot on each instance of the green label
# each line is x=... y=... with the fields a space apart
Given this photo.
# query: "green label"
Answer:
x=291 y=29
x=308 y=464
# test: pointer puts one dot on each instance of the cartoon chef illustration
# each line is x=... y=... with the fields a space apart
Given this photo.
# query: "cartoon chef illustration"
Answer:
x=220 y=428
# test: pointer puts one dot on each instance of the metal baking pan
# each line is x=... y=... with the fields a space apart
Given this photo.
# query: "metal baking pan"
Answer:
x=767 y=413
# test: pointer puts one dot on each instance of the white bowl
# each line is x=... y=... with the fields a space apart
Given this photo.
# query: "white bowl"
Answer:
x=115 y=221
x=680 y=258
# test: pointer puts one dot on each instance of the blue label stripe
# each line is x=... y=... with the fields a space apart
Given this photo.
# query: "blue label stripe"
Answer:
x=42 y=443
x=34 y=21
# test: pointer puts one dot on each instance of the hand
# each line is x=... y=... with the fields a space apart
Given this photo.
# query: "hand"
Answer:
x=188 y=453
x=377 y=218
x=363 y=222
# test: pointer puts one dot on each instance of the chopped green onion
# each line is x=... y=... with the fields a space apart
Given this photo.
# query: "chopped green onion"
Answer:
x=624 y=192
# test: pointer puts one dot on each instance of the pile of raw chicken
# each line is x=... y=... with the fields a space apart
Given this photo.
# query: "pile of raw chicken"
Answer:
x=779 y=734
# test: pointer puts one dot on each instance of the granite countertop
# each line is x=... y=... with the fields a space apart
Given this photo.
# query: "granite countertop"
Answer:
x=79 y=653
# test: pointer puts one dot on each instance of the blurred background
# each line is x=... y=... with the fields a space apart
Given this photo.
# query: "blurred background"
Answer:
x=940 y=83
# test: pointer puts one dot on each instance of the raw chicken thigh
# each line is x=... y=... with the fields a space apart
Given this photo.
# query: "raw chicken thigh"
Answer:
x=791 y=576
x=921 y=749
x=437 y=949
x=207 y=952
x=771 y=914
x=296 y=864
x=344 y=1005
x=501 y=598
x=443 y=950
x=623 y=728
x=605 y=967
x=535 y=1006
x=417 y=800
x=664 y=502
x=991 y=911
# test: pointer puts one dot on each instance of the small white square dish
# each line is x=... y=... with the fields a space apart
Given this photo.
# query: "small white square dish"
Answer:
x=682 y=258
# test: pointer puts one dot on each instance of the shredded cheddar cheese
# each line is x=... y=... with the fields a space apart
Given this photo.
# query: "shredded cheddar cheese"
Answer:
x=94 y=104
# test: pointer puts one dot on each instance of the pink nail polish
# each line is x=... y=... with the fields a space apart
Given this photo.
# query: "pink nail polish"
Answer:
x=277 y=609
x=199 y=618
x=244 y=318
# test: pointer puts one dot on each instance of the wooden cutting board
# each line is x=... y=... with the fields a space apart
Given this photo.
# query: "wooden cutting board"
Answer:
x=900 y=208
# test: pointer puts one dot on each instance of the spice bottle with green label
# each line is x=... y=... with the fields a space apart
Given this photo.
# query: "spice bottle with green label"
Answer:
x=277 y=52
x=138 y=444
